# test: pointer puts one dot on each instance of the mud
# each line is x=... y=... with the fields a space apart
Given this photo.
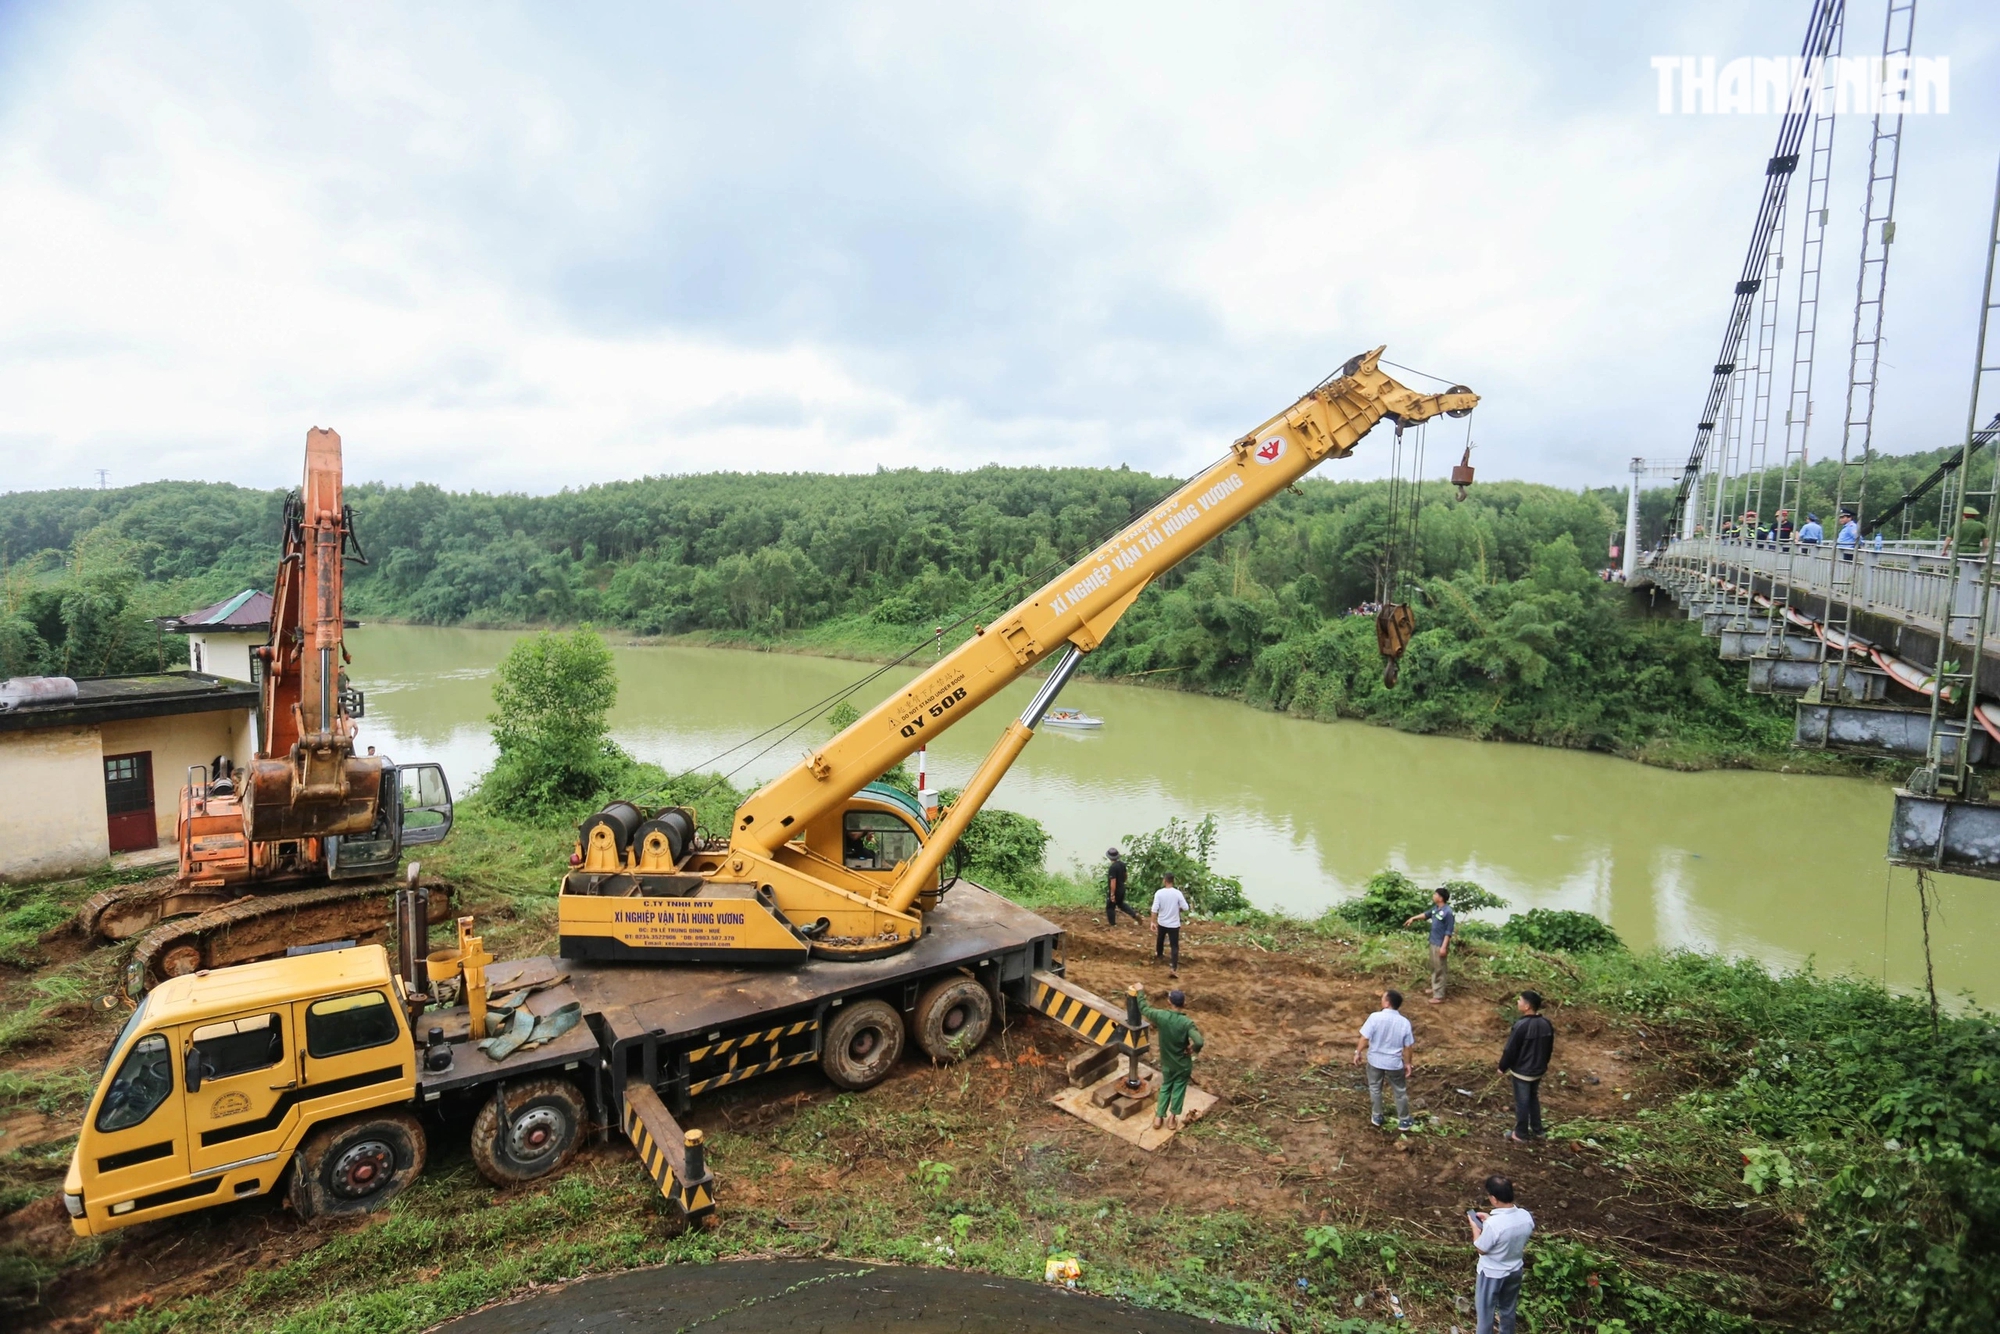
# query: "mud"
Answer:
x=1290 y=1143
x=754 y=1296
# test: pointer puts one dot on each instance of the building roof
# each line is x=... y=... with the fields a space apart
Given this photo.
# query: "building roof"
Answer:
x=109 y=699
x=249 y=612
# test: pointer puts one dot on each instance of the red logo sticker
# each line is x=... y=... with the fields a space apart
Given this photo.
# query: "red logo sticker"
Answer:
x=1271 y=450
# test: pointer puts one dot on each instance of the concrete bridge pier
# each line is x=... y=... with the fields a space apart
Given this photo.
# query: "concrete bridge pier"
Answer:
x=1892 y=734
x=1945 y=834
x=1775 y=676
x=1756 y=642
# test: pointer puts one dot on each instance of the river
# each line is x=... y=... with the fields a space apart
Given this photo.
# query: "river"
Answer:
x=1783 y=868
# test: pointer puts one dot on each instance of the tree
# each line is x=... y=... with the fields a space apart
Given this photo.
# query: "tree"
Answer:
x=552 y=725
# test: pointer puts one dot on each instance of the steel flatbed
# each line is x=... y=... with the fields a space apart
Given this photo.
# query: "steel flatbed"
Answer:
x=655 y=1036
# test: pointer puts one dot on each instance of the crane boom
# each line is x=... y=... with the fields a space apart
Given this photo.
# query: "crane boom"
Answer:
x=1079 y=606
x=783 y=885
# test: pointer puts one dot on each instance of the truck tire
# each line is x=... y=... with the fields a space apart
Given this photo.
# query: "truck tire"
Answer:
x=356 y=1164
x=862 y=1044
x=952 y=1017
x=537 y=1135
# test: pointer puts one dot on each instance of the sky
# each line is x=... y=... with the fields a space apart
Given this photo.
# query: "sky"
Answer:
x=529 y=247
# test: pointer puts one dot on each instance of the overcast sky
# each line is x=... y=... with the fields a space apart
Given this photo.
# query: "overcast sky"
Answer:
x=529 y=247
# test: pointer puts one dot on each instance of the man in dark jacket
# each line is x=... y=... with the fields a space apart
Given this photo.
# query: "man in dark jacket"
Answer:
x=1530 y=1044
x=1114 y=889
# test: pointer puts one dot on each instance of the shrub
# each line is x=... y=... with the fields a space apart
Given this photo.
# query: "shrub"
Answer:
x=551 y=723
x=1548 y=929
x=1187 y=852
x=1005 y=846
x=1392 y=898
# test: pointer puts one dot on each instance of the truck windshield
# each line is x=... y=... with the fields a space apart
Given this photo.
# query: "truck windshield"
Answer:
x=124 y=1034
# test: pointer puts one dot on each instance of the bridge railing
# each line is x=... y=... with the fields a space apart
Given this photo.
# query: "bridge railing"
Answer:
x=1909 y=582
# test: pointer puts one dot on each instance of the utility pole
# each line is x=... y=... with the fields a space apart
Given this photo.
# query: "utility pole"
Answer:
x=1632 y=520
x=103 y=478
x=1641 y=469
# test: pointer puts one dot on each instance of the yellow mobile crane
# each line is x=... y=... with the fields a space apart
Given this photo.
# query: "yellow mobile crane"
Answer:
x=782 y=889
x=325 y=1073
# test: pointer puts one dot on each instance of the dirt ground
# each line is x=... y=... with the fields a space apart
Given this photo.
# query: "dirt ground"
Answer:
x=1290 y=1141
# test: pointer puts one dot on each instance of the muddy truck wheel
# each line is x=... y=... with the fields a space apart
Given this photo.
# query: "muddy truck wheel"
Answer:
x=356 y=1164
x=862 y=1044
x=952 y=1017
x=527 y=1132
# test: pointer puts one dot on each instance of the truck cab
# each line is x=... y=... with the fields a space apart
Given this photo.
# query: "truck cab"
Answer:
x=218 y=1076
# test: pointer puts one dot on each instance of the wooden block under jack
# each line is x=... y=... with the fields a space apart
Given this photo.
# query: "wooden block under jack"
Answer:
x=1088 y=1066
x=1131 y=1119
x=1104 y=1093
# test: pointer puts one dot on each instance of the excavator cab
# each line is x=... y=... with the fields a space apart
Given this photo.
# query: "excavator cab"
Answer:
x=414 y=809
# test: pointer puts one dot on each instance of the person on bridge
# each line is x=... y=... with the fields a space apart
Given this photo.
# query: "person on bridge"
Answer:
x=1444 y=928
x=1530 y=1044
x=1179 y=1041
x=1784 y=529
x=1850 y=535
x=1971 y=532
x=1114 y=889
x=1810 y=533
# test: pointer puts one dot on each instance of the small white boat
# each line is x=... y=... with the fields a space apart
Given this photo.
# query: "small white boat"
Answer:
x=1076 y=718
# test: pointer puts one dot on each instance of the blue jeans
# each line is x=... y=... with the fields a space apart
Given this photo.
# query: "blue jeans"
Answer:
x=1495 y=1302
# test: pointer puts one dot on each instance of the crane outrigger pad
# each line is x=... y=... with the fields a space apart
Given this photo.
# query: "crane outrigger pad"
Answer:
x=1116 y=1110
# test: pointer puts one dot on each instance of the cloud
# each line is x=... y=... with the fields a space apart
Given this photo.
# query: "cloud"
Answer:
x=528 y=248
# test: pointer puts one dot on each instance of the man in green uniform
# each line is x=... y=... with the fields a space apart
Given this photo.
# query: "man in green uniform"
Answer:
x=1178 y=1040
x=1971 y=533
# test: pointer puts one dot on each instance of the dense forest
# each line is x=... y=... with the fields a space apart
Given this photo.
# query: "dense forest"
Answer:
x=1517 y=637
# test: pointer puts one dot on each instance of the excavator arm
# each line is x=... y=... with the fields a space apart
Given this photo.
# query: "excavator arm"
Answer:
x=770 y=895
x=306 y=781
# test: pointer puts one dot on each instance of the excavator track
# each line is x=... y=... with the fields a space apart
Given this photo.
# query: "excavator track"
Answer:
x=124 y=911
x=264 y=926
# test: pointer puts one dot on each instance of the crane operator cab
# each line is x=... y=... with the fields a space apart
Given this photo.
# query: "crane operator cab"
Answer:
x=643 y=885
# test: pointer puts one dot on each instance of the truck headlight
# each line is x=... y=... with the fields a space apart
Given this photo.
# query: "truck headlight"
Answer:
x=73 y=1203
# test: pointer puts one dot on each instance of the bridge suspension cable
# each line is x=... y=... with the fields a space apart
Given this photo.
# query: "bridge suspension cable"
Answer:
x=1820 y=28
x=1878 y=233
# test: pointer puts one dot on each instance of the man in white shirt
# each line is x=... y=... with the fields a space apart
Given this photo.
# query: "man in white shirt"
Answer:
x=1168 y=905
x=1387 y=1038
x=1500 y=1235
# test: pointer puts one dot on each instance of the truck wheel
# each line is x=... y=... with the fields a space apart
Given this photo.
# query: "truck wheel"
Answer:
x=358 y=1164
x=537 y=1134
x=862 y=1044
x=953 y=1015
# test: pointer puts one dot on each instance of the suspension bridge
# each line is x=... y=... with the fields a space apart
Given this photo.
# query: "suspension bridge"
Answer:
x=1889 y=645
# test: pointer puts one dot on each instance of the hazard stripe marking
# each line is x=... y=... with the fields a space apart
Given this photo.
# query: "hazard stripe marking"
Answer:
x=728 y=1045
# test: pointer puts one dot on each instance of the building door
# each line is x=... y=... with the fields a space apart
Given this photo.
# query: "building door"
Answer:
x=128 y=801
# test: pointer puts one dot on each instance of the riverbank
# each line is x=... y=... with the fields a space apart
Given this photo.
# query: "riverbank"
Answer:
x=860 y=639
x=1726 y=1148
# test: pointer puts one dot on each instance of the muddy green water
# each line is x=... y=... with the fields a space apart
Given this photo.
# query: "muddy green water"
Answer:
x=1784 y=868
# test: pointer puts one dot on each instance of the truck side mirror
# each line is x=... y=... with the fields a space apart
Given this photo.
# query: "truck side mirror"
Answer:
x=191 y=1070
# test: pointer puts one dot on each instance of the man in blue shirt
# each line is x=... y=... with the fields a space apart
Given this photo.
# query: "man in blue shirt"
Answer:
x=1810 y=533
x=1444 y=926
x=1850 y=535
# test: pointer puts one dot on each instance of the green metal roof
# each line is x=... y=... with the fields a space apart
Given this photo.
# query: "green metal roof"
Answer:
x=896 y=796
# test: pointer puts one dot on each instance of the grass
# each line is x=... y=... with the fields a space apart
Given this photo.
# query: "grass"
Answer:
x=1827 y=1100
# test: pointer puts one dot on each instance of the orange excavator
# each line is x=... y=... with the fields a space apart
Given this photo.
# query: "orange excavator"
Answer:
x=291 y=849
